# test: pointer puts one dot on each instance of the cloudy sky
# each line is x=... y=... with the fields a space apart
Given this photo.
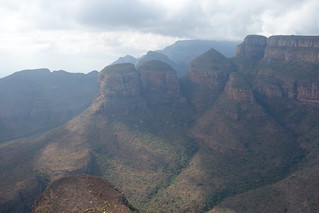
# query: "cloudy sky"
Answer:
x=85 y=35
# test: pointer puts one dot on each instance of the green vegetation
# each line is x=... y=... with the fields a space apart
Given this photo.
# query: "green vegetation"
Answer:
x=196 y=152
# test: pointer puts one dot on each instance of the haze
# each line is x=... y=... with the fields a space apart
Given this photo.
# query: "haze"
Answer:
x=80 y=36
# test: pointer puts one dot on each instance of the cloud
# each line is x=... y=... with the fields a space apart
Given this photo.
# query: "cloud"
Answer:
x=81 y=35
x=118 y=14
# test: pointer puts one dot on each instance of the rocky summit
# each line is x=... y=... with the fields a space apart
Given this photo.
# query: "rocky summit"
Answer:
x=236 y=134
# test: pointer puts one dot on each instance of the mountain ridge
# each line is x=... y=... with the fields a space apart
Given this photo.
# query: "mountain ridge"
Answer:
x=232 y=136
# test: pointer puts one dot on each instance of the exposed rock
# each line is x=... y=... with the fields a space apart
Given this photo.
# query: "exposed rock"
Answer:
x=252 y=48
x=81 y=193
x=307 y=91
x=207 y=77
x=293 y=48
x=238 y=88
x=119 y=80
x=159 y=77
x=282 y=79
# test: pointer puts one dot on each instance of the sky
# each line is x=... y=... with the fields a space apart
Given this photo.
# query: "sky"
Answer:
x=86 y=35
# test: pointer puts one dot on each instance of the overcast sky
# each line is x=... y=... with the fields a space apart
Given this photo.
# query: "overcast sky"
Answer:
x=85 y=35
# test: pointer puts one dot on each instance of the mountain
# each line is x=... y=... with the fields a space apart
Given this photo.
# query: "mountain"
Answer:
x=34 y=101
x=184 y=51
x=234 y=135
x=155 y=56
x=82 y=193
x=126 y=59
x=181 y=53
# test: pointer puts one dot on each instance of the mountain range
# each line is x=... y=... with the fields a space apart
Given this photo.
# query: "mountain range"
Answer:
x=235 y=134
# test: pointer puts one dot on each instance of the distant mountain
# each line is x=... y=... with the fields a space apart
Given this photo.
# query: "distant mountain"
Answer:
x=154 y=56
x=235 y=134
x=187 y=50
x=183 y=52
x=125 y=59
x=180 y=54
x=34 y=101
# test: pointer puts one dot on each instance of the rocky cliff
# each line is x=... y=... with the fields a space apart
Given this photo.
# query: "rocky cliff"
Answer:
x=207 y=77
x=303 y=49
x=288 y=67
x=246 y=143
x=238 y=88
x=252 y=48
x=119 y=80
x=158 y=77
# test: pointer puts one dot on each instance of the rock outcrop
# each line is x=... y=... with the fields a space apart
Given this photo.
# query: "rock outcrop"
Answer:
x=238 y=88
x=159 y=77
x=303 y=49
x=81 y=193
x=207 y=77
x=252 y=48
x=119 y=80
x=307 y=91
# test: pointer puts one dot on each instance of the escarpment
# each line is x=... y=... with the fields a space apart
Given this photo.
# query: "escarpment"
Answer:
x=302 y=49
x=288 y=66
x=230 y=127
x=119 y=80
x=160 y=77
x=252 y=48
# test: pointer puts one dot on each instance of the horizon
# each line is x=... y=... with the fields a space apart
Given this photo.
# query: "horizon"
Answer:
x=81 y=36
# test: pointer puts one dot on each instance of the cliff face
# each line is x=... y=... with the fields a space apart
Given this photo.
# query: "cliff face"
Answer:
x=285 y=48
x=252 y=48
x=159 y=77
x=238 y=89
x=123 y=80
x=288 y=67
x=119 y=80
x=207 y=78
x=293 y=48
x=252 y=130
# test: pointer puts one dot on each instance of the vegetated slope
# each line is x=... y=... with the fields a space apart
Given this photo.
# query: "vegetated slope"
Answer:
x=241 y=147
x=285 y=86
x=116 y=138
x=146 y=134
x=34 y=101
x=81 y=193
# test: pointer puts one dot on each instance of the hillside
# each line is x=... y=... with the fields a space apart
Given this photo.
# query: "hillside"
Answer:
x=34 y=101
x=81 y=193
x=235 y=135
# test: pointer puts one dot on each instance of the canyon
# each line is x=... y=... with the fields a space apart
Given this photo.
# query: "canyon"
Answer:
x=235 y=134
